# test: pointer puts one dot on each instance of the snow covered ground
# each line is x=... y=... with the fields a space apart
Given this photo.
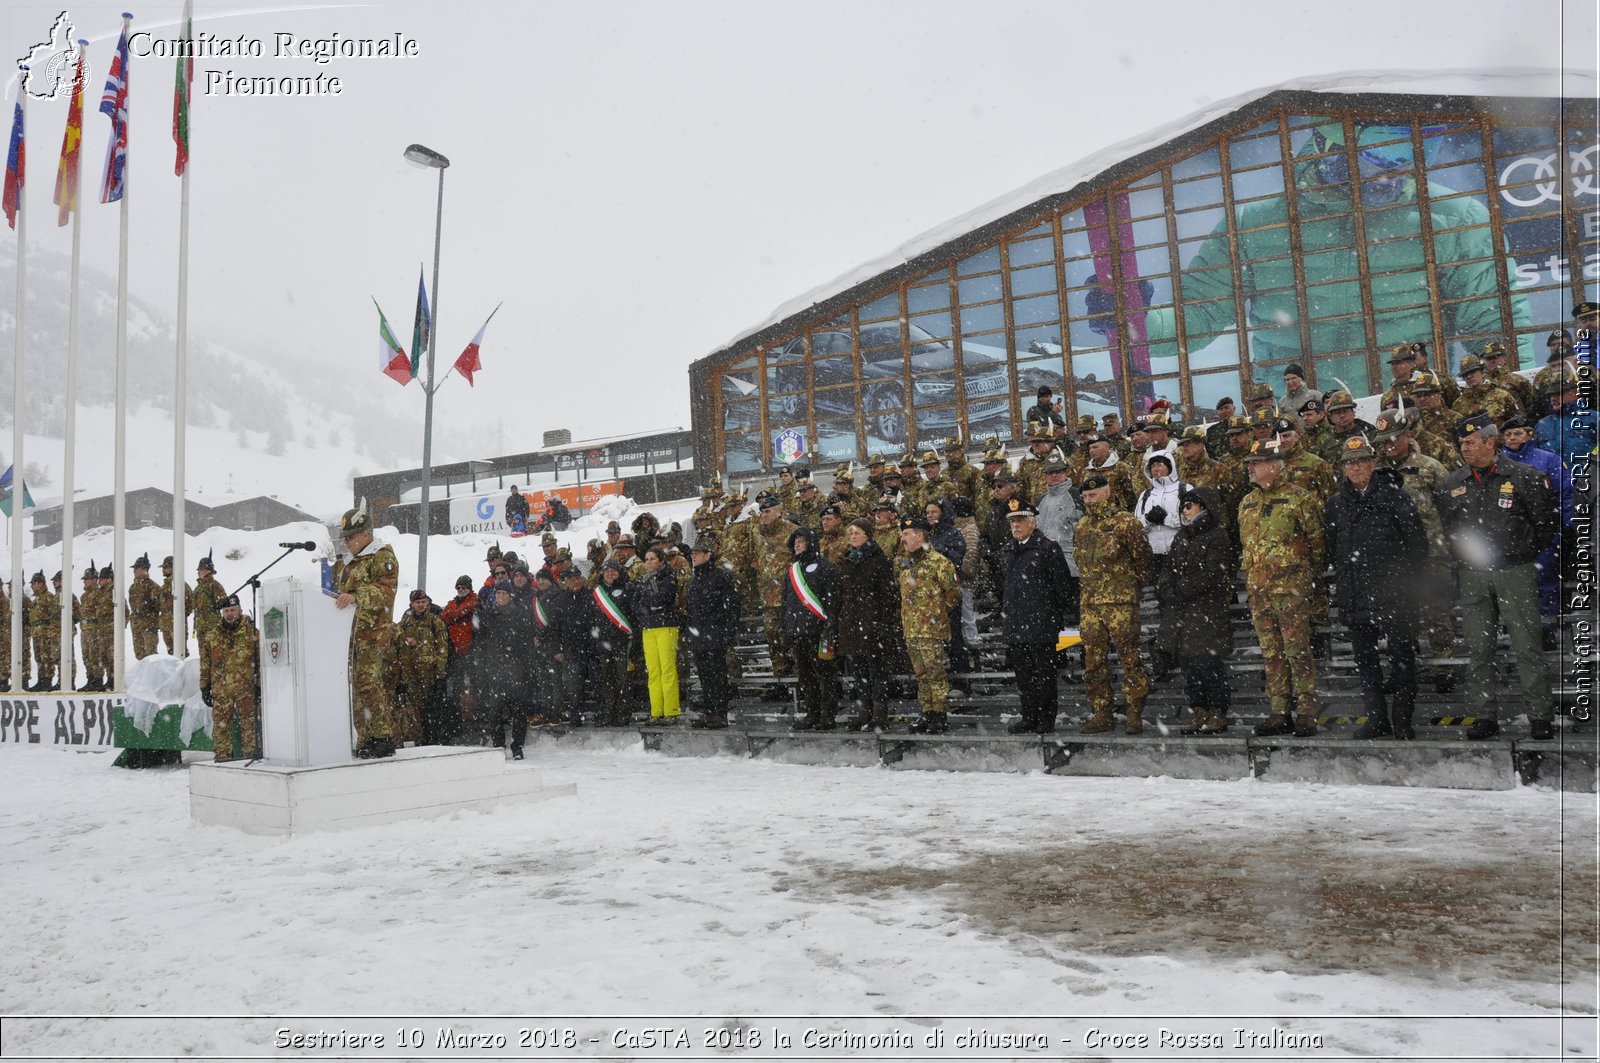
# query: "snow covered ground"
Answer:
x=725 y=887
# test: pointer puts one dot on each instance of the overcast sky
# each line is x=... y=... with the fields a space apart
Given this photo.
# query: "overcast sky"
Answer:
x=640 y=182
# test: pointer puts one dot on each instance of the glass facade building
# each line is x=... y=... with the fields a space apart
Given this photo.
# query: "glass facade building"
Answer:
x=1315 y=228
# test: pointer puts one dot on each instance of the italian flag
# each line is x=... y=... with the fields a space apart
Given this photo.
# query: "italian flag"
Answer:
x=392 y=360
x=180 y=93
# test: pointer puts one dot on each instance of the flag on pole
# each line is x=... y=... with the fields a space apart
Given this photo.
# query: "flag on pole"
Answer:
x=181 y=89
x=5 y=485
x=467 y=363
x=67 y=169
x=421 y=326
x=15 y=165
x=392 y=360
x=114 y=105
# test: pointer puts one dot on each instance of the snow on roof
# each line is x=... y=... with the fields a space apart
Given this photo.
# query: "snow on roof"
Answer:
x=1515 y=82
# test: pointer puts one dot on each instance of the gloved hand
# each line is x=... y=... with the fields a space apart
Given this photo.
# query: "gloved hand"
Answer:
x=1156 y=515
x=205 y=696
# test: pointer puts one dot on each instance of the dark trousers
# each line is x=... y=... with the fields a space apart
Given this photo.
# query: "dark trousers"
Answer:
x=577 y=674
x=1035 y=665
x=1402 y=634
x=441 y=716
x=614 y=704
x=818 y=681
x=711 y=665
x=956 y=648
x=871 y=674
x=1205 y=681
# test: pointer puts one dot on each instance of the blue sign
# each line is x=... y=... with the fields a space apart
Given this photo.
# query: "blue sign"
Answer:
x=485 y=508
x=788 y=445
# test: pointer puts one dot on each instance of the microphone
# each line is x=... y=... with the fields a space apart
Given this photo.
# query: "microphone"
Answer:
x=307 y=545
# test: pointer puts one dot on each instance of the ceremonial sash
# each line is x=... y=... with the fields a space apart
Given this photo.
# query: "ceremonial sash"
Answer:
x=802 y=590
x=539 y=614
x=613 y=611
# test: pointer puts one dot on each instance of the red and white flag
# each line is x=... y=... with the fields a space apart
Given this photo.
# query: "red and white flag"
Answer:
x=467 y=363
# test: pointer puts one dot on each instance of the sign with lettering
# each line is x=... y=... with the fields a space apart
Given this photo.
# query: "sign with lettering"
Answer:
x=486 y=512
x=68 y=722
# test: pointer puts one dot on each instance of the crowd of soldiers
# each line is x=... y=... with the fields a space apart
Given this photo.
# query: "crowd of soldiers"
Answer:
x=1453 y=497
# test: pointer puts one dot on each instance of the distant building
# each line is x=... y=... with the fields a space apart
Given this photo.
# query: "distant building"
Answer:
x=151 y=507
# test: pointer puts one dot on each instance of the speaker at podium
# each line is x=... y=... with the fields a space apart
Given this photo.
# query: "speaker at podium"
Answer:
x=305 y=674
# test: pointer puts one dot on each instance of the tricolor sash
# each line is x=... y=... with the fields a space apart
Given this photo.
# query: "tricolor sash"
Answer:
x=613 y=611
x=802 y=590
x=539 y=614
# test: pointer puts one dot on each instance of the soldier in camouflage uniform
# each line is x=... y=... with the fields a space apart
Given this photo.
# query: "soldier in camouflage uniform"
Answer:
x=1314 y=427
x=1196 y=467
x=422 y=648
x=1217 y=434
x=1239 y=437
x=1481 y=396
x=1111 y=430
x=99 y=618
x=1409 y=362
x=833 y=543
x=929 y=590
x=1317 y=478
x=1420 y=477
x=1436 y=423
x=144 y=609
x=910 y=483
x=1114 y=562
x=769 y=562
x=788 y=486
x=5 y=643
x=229 y=667
x=371 y=580
x=1342 y=424
x=807 y=507
x=1261 y=398
x=852 y=502
x=875 y=466
x=994 y=462
x=1030 y=470
x=1496 y=355
x=43 y=615
x=207 y=601
x=886 y=528
x=1280 y=527
x=934 y=485
x=1103 y=460
x=166 y=607
x=965 y=477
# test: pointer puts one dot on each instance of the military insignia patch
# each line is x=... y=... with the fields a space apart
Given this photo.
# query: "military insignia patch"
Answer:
x=1458 y=492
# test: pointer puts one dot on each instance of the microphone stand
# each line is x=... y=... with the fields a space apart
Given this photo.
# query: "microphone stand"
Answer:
x=254 y=583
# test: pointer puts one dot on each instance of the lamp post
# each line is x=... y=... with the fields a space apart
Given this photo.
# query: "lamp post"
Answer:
x=429 y=159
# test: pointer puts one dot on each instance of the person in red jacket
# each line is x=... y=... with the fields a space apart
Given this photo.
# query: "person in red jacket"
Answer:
x=457 y=616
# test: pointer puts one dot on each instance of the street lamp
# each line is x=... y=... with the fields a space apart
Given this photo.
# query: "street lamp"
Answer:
x=429 y=159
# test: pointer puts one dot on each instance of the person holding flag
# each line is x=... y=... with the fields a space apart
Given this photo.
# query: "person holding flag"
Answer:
x=811 y=627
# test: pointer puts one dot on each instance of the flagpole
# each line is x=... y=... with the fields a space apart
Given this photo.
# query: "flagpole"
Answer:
x=180 y=402
x=17 y=488
x=69 y=670
x=119 y=505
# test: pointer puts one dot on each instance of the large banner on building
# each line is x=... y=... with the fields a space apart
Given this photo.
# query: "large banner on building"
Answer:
x=487 y=512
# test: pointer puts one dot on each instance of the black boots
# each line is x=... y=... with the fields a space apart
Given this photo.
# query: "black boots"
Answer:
x=931 y=723
x=1483 y=729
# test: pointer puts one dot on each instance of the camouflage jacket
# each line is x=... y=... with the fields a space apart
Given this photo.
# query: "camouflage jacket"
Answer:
x=1447 y=384
x=422 y=647
x=913 y=491
x=99 y=607
x=43 y=612
x=943 y=489
x=1518 y=385
x=166 y=597
x=857 y=504
x=1310 y=473
x=373 y=579
x=1030 y=476
x=1313 y=440
x=1113 y=556
x=887 y=536
x=207 y=598
x=144 y=599
x=928 y=591
x=1436 y=435
x=833 y=546
x=770 y=558
x=229 y=661
x=1123 y=495
x=1333 y=443
x=1488 y=398
x=1229 y=483
x=966 y=477
x=1420 y=477
x=1280 y=529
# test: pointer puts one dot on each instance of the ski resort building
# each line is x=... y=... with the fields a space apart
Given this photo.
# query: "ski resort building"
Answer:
x=1310 y=227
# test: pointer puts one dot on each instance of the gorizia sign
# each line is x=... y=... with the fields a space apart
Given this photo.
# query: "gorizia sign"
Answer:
x=81 y=723
x=487 y=512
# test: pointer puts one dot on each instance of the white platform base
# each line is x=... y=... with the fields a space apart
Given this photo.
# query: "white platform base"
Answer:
x=420 y=783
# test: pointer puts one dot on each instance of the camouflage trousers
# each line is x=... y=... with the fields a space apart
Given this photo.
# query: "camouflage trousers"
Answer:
x=47 y=652
x=369 y=691
x=411 y=701
x=144 y=637
x=225 y=712
x=771 y=620
x=166 y=635
x=98 y=652
x=1104 y=626
x=928 y=664
x=1283 y=628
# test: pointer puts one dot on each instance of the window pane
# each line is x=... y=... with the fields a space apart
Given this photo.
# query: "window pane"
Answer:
x=791 y=351
x=785 y=378
x=928 y=297
x=739 y=385
x=786 y=409
x=1034 y=373
x=743 y=453
x=1208 y=161
x=887 y=306
x=1142 y=203
x=875 y=337
x=1033 y=281
x=1254 y=183
x=1031 y=252
x=982 y=318
x=1190 y=194
x=1254 y=152
x=926 y=326
x=883 y=402
x=1331 y=265
x=835 y=341
x=984 y=261
x=737 y=416
x=1451 y=179
x=1149 y=232
x=1223 y=350
x=1040 y=339
x=933 y=389
x=831 y=372
x=986 y=418
x=980 y=289
x=1199 y=223
x=933 y=425
x=1039 y=309
x=1349 y=368
x=836 y=440
x=1330 y=300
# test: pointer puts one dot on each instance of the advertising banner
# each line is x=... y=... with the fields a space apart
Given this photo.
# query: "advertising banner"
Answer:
x=68 y=722
x=487 y=512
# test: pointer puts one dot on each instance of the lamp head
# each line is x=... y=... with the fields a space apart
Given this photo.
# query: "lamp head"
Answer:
x=427 y=158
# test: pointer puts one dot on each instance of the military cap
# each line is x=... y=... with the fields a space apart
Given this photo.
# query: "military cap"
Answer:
x=1139 y=425
x=572 y=572
x=106 y=573
x=1516 y=420
x=929 y=457
x=892 y=472
x=1055 y=466
x=1019 y=507
x=908 y=460
x=1226 y=400
x=1340 y=400
x=1263 y=415
x=613 y=526
x=1494 y=349
x=1004 y=476
x=1039 y=432
x=142 y=561
x=547 y=539
x=994 y=457
x=1193 y=434
x=885 y=503
x=1420 y=349
x=38 y=577
x=166 y=562
x=1091 y=438
x=1265 y=450
x=738 y=498
x=954 y=443
x=807 y=485
x=419 y=593
x=1295 y=369
x=626 y=542
x=801 y=472
x=1356 y=448
x=1158 y=422
x=1260 y=390
x=1109 y=417
x=764 y=501
x=614 y=566
x=1585 y=309
x=464 y=581
x=844 y=475
x=705 y=544
x=1479 y=424
x=1237 y=426
x=916 y=522
x=1286 y=422
x=563 y=554
x=355 y=521
x=1560 y=335
x=1471 y=364
x=230 y=602
x=1401 y=353
x=57 y=577
x=832 y=511
x=1094 y=481
x=1426 y=383
x=511 y=557
x=875 y=460
x=700 y=514
x=1391 y=425
x=1312 y=403
x=205 y=564
x=92 y=572
x=1555 y=378
x=1086 y=422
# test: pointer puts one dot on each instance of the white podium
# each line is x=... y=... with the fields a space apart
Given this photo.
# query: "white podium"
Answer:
x=305 y=675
